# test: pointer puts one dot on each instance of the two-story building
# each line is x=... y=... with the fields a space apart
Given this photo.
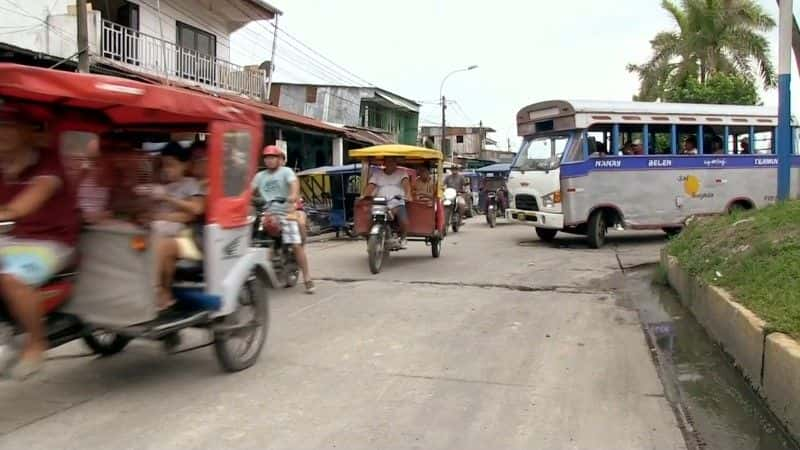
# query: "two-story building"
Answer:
x=368 y=109
x=181 y=42
x=467 y=143
x=185 y=41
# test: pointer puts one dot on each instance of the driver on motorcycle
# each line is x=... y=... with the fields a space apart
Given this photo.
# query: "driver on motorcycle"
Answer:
x=457 y=181
x=279 y=181
x=33 y=194
x=392 y=184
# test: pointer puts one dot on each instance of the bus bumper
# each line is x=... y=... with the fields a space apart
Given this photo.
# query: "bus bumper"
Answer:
x=539 y=219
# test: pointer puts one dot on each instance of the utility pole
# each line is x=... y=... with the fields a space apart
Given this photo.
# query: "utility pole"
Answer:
x=272 y=60
x=444 y=135
x=785 y=24
x=83 y=37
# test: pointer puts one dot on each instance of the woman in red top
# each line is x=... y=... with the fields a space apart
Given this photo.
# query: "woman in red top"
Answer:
x=34 y=195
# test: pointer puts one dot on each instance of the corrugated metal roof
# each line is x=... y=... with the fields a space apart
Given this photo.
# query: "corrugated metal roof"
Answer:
x=618 y=107
x=366 y=136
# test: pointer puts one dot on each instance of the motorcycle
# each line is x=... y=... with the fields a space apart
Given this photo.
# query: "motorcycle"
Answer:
x=491 y=209
x=494 y=207
x=452 y=214
x=384 y=234
x=267 y=233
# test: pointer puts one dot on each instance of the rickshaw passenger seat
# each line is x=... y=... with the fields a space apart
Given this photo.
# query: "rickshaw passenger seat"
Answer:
x=189 y=270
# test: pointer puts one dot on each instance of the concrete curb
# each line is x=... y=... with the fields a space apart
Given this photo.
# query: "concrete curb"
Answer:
x=769 y=361
x=781 y=381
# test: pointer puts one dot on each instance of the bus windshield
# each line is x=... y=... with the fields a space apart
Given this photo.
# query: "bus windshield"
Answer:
x=541 y=153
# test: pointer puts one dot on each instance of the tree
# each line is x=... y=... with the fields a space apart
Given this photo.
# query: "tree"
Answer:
x=713 y=37
x=720 y=88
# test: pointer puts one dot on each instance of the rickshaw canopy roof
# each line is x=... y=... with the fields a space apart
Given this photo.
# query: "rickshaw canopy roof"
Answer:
x=500 y=167
x=124 y=102
x=332 y=170
x=398 y=151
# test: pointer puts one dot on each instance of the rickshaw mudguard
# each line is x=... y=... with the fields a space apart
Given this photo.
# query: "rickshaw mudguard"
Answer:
x=250 y=263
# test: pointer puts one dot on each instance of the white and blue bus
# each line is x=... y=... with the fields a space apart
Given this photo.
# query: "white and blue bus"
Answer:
x=587 y=166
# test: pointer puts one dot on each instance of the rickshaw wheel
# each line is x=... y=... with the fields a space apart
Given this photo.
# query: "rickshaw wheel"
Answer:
x=233 y=358
x=436 y=247
x=376 y=251
x=105 y=343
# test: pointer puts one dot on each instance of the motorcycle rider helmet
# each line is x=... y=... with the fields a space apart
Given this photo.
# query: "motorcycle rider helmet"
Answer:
x=273 y=150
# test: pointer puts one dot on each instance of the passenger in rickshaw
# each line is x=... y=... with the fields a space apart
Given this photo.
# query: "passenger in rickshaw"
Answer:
x=93 y=188
x=424 y=186
x=392 y=184
x=34 y=193
x=280 y=182
x=181 y=203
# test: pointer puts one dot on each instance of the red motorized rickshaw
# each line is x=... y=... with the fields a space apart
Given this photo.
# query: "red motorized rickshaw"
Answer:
x=107 y=297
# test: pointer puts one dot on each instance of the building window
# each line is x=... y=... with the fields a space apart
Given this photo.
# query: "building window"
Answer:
x=192 y=38
x=459 y=139
x=311 y=94
x=197 y=51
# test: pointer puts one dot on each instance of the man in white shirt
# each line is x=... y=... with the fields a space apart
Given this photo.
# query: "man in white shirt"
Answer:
x=392 y=184
x=689 y=146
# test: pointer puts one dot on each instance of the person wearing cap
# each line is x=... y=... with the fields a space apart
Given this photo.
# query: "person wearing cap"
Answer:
x=35 y=196
x=637 y=148
x=279 y=181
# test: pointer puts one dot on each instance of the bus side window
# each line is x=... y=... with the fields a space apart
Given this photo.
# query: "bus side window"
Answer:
x=764 y=141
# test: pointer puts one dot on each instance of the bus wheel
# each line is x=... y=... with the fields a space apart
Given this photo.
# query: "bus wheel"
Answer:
x=597 y=229
x=546 y=234
x=672 y=231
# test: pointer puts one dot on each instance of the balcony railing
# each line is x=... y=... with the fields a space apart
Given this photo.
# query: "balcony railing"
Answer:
x=150 y=54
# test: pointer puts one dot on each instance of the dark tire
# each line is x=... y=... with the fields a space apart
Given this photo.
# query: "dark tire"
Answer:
x=739 y=207
x=456 y=226
x=672 y=231
x=491 y=217
x=253 y=299
x=105 y=343
x=546 y=234
x=376 y=250
x=436 y=247
x=596 y=230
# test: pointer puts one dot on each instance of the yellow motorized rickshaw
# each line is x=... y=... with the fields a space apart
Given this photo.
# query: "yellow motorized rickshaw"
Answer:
x=374 y=218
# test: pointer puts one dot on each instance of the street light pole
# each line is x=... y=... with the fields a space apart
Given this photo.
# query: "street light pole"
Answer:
x=785 y=24
x=444 y=106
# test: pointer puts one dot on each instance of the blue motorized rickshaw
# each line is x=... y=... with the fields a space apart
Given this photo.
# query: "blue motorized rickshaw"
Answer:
x=330 y=193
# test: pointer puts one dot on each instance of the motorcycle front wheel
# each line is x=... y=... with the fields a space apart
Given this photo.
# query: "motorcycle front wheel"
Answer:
x=376 y=250
x=491 y=218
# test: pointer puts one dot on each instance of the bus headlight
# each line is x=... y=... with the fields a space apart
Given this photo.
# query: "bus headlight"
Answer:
x=551 y=199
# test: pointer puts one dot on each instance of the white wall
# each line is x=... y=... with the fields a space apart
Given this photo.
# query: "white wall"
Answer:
x=29 y=32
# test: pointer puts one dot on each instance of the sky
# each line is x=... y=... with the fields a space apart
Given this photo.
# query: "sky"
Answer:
x=526 y=51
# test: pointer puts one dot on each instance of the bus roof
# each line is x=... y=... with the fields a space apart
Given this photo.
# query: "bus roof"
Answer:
x=586 y=112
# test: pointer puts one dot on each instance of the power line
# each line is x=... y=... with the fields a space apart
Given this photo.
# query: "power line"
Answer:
x=347 y=75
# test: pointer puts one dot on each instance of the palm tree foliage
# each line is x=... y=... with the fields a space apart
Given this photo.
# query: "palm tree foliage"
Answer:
x=712 y=37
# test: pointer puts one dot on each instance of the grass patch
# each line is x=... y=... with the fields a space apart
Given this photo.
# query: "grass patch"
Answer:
x=754 y=255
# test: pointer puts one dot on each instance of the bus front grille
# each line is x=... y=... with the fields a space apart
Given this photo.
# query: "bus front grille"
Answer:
x=526 y=202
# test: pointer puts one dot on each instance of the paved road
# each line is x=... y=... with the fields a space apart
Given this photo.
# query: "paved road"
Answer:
x=504 y=342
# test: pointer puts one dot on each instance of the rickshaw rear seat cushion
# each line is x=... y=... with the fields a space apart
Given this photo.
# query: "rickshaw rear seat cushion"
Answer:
x=189 y=270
